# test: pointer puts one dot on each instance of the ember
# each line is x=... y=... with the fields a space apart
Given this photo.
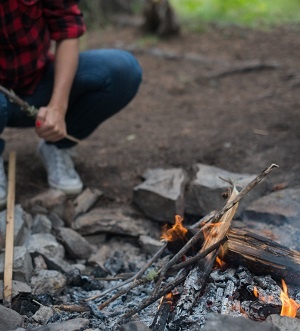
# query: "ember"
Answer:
x=261 y=297
x=289 y=306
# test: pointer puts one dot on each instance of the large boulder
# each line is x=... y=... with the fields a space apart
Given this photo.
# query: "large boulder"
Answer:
x=161 y=195
x=205 y=192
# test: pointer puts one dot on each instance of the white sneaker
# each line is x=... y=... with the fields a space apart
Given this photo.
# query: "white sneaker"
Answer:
x=3 y=184
x=60 y=168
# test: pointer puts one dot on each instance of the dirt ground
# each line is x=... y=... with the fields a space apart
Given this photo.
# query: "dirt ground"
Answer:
x=242 y=122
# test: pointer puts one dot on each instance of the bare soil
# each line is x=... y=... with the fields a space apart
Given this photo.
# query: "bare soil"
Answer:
x=242 y=122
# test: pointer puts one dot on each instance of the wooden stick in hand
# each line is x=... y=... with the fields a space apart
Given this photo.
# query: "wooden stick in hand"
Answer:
x=31 y=111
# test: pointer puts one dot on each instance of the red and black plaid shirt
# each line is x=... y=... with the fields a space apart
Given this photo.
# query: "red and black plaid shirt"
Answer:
x=26 y=30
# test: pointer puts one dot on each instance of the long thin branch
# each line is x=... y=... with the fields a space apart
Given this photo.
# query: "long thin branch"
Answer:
x=31 y=111
x=124 y=291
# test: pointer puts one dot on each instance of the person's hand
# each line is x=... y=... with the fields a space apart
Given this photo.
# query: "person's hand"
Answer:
x=50 y=124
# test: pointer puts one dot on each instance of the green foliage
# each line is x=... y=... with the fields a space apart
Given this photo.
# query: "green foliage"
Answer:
x=244 y=12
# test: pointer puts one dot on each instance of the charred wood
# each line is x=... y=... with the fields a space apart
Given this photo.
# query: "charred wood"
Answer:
x=161 y=318
x=262 y=256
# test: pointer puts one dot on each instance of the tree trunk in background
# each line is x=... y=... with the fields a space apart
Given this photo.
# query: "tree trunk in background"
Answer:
x=160 y=18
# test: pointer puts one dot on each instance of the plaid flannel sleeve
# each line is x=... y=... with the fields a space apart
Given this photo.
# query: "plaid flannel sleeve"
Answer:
x=65 y=20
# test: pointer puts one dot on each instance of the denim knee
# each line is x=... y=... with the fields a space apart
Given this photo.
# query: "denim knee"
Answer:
x=135 y=71
x=132 y=72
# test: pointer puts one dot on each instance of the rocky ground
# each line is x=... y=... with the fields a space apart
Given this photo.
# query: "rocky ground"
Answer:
x=187 y=111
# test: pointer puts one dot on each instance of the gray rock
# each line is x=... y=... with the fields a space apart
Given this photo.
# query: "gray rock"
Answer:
x=53 y=253
x=277 y=208
x=285 y=323
x=229 y=323
x=39 y=263
x=9 y=319
x=45 y=244
x=20 y=228
x=56 y=220
x=22 y=265
x=47 y=199
x=48 y=281
x=204 y=193
x=43 y=315
x=41 y=224
x=134 y=326
x=150 y=245
x=161 y=195
x=81 y=204
x=109 y=220
x=17 y=288
x=75 y=245
x=76 y=324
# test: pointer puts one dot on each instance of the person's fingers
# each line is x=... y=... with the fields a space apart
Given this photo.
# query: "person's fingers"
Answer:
x=51 y=134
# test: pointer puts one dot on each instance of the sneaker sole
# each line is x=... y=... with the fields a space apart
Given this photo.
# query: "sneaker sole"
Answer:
x=67 y=190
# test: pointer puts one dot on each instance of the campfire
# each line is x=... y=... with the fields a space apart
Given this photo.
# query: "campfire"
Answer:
x=201 y=268
x=203 y=273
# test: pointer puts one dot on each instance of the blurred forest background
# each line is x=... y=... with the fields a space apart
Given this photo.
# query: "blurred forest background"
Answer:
x=194 y=14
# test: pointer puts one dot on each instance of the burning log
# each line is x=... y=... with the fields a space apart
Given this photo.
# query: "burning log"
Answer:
x=262 y=256
x=165 y=307
x=177 y=236
x=197 y=277
x=217 y=235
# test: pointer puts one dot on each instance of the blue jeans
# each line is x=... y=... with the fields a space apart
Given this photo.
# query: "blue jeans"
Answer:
x=105 y=82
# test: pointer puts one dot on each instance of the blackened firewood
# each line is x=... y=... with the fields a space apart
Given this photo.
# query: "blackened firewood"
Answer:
x=262 y=256
x=161 y=318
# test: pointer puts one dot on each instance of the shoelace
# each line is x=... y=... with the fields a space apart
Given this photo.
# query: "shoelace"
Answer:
x=63 y=163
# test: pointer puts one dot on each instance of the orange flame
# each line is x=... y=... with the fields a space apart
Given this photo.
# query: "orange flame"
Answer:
x=289 y=306
x=168 y=298
x=178 y=231
x=255 y=291
x=220 y=263
x=220 y=258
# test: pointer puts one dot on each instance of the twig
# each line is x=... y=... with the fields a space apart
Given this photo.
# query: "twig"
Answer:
x=203 y=220
x=124 y=291
x=72 y=308
x=198 y=257
x=215 y=218
x=135 y=277
x=31 y=111
x=148 y=301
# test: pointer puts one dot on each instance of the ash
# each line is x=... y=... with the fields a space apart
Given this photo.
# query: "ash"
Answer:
x=228 y=292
